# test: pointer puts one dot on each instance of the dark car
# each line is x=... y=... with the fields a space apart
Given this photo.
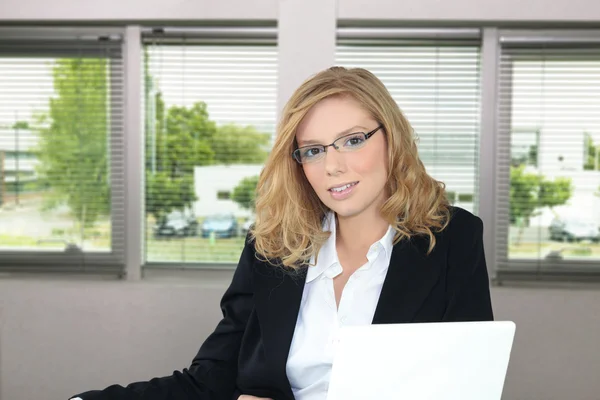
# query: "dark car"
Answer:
x=178 y=224
x=221 y=225
x=246 y=226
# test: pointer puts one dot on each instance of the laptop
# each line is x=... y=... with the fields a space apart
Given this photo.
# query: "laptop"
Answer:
x=425 y=361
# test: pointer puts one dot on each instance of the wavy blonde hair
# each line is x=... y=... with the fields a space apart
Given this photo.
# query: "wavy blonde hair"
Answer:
x=289 y=215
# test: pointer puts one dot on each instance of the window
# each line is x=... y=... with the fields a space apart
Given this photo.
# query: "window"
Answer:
x=549 y=133
x=223 y=195
x=434 y=77
x=61 y=131
x=210 y=102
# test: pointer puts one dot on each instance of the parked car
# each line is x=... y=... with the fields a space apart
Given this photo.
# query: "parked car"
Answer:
x=177 y=223
x=570 y=229
x=222 y=225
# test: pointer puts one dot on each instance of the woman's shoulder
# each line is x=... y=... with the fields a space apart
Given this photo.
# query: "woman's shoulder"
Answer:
x=463 y=222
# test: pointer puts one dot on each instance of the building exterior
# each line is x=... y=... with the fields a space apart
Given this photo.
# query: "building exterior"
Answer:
x=214 y=185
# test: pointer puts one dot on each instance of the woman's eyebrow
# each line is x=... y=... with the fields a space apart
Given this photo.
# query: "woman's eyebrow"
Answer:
x=355 y=128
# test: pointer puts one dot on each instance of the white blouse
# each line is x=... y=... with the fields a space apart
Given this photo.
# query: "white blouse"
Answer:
x=312 y=348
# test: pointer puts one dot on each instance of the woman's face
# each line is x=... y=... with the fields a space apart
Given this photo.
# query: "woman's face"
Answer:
x=363 y=168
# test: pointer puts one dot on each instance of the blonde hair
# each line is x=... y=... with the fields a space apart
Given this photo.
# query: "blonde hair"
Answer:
x=288 y=228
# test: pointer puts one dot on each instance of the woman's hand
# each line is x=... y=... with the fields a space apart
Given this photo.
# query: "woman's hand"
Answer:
x=248 y=397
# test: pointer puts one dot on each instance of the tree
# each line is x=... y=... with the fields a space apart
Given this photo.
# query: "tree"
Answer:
x=590 y=150
x=73 y=139
x=180 y=138
x=555 y=193
x=21 y=125
x=189 y=133
x=234 y=144
x=165 y=194
x=529 y=192
x=183 y=142
x=245 y=193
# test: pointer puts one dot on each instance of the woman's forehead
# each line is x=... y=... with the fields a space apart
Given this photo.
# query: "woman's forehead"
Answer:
x=331 y=118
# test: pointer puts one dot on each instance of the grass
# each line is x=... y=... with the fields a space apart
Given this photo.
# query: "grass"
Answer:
x=534 y=250
x=11 y=242
x=194 y=249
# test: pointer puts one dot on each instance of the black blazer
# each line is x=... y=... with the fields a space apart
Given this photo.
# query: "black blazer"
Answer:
x=247 y=352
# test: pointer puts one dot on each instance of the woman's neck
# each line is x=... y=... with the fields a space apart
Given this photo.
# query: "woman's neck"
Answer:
x=360 y=231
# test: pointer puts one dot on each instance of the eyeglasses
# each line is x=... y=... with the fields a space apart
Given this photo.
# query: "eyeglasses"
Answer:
x=347 y=143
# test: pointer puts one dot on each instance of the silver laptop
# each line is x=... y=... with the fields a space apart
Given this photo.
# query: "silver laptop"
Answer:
x=431 y=361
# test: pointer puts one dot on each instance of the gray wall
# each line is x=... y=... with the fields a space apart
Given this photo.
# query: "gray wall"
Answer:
x=61 y=337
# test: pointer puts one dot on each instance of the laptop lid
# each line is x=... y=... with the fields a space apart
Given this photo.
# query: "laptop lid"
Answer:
x=425 y=361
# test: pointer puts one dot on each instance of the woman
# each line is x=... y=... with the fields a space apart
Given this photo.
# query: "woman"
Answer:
x=349 y=230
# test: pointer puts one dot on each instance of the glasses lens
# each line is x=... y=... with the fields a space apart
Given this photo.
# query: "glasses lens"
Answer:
x=309 y=154
x=351 y=142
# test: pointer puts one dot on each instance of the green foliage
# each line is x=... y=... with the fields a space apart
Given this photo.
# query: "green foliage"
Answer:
x=556 y=192
x=21 y=125
x=245 y=193
x=235 y=144
x=73 y=140
x=165 y=193
x=590 y=149
x=182 y=143
x=531 y=191
x=187 y=138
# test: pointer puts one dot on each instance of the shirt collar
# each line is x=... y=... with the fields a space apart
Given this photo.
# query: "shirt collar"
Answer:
x=388 y=241
x=328 y=252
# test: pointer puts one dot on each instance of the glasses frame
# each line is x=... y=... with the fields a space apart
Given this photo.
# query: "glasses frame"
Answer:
x=296 y=153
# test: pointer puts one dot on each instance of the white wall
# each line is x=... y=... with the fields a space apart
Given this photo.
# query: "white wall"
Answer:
x=190 y=10
x=137 y=10
x=471 y=10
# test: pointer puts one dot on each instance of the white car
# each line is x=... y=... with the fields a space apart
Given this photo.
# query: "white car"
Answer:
x=574 y=230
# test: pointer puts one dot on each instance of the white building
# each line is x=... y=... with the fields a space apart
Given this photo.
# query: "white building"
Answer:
x=214 y=185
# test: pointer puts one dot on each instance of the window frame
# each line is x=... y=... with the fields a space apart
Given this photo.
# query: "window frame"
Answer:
x=239 y=35
x=66 y=42
x=505 y=268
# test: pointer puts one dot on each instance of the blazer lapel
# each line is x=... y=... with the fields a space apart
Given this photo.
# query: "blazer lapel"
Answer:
x=411 y=276
x=277 y=295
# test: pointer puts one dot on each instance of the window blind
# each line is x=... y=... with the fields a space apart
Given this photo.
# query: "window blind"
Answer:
x=61 y=146
x=210 y=114
x=434 y=77
x=549 y=142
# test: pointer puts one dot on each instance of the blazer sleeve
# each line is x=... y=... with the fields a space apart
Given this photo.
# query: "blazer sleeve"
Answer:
x=212 y=374
x=468 y=284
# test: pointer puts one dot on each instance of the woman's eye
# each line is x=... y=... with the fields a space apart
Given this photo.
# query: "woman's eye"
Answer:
x=355 y=140
x=312 y=151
